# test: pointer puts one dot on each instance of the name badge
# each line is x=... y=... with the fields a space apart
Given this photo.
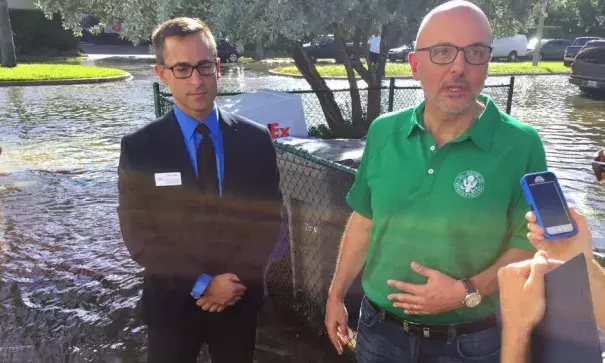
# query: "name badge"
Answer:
x=167 y=179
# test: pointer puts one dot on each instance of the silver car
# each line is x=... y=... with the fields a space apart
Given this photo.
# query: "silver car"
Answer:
x=550 y=49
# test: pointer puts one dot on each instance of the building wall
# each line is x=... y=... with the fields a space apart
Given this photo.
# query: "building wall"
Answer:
x=21 y=4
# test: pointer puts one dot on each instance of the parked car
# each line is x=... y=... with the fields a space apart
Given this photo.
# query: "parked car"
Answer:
x=325 y=47
x=510 y=48
x=588 y=67
x=575 y=47
x=227 y=52
x=401 y=53
x=550 y=49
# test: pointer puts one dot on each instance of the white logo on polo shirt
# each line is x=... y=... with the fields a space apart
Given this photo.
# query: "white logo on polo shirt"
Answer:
x=469 y=184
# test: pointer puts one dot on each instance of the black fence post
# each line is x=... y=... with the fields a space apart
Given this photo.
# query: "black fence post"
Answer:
x=156 y=99
x=391 y=93
x=511 y=90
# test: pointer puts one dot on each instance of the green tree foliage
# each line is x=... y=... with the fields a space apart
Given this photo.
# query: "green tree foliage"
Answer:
x=298 y=21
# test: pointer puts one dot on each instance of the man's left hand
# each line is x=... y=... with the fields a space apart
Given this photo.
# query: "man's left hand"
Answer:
x=440 y=294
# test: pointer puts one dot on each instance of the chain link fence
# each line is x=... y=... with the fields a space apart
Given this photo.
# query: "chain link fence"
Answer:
x=315 y=211
x=315 y=215
x=393 y=98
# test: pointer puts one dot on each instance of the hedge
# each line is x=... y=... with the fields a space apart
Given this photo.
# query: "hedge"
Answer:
x=35 y=35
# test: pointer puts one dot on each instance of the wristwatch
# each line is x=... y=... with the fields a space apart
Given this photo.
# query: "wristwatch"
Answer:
x=473 y=297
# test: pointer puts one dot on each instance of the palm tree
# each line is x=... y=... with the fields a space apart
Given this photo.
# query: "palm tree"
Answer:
x=7 y=46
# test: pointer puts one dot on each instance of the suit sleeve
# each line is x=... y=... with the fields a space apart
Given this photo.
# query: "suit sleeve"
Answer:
x=265 y=210
x=275 y=192
x=159 y=256
x=272 y=218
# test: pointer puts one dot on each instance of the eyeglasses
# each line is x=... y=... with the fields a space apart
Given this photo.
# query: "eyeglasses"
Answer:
x=182 y=71
x=446 y=54
x=598 y=165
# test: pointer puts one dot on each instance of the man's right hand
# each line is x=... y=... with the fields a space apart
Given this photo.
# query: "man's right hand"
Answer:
x=336 y=322
x=224 y=290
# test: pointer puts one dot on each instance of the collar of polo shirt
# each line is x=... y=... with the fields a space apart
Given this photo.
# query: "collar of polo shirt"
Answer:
x=481 y=132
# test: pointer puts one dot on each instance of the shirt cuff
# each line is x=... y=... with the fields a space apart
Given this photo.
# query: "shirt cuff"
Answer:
x=200 y=285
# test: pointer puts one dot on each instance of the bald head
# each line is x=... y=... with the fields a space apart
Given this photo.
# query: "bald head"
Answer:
x=454 y=22
x=452 y=80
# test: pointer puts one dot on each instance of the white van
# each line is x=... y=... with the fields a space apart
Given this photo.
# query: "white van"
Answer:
x=510 y=47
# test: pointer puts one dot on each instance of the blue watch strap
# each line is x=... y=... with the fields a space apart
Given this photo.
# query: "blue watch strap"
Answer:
x=200 y=285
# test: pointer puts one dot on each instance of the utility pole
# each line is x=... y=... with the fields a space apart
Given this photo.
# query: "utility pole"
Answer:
x=543 y=15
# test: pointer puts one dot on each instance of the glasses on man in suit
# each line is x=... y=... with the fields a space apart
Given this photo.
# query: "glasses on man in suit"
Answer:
x=598 y=165
x=184 y=70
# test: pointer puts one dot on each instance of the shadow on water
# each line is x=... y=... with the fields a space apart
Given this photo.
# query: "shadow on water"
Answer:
x=68 y=288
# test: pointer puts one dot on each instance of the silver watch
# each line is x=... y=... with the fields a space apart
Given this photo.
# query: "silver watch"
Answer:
x=473 y=297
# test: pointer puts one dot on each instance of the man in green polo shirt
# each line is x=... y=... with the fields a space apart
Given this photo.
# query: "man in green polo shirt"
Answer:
x=438 y=207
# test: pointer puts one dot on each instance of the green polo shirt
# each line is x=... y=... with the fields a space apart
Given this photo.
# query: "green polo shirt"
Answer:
x=455 y=209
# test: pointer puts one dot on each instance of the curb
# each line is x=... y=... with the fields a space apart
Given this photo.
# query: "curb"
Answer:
x=66 y=82
x=276 y=73
x=124 y=59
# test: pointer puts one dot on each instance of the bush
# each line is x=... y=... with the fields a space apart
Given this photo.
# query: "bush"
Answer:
x=35 y=35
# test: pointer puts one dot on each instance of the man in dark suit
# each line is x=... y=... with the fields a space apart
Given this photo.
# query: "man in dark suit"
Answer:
x=200 y=208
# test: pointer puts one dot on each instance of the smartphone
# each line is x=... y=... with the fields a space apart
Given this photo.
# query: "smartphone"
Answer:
x=545 y=198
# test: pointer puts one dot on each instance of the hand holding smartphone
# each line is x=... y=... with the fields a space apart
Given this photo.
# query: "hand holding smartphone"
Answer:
x=545 y=198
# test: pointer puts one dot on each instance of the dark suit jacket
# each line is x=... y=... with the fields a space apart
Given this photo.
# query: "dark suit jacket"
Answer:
x=176 y=233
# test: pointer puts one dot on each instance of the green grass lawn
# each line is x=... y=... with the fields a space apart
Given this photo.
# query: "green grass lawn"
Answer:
x=50 y=71
x=403 y=69
x=245 y=60
x=47 y=59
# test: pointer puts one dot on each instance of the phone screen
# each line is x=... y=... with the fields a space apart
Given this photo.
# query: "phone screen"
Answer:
x=551 y=207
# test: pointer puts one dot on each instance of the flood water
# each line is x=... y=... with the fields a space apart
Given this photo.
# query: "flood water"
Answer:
x=68 y=286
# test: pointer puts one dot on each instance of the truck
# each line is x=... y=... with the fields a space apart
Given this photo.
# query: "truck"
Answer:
x=574 y=48
x=510 y=48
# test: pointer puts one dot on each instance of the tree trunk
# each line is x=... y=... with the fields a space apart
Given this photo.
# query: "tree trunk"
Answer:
x=7 y=46
x=373 y=77
x=260 y=51
x=357 y=119
x=388 y=37
x=330 y=108
x=356 y=42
